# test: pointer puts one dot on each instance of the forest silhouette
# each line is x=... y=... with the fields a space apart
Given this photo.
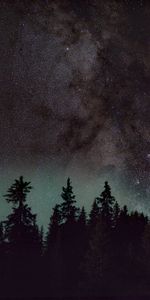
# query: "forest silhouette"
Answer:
x=105 y=253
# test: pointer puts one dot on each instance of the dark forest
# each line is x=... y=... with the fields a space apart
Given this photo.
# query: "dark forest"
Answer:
x=105 y=253
x=75 y=106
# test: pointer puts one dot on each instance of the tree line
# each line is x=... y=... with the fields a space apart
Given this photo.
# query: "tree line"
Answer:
x=105 y=253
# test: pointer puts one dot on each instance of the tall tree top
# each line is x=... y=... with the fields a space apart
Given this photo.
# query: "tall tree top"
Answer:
x=67 y=193
x=55 y=219
x=106 y=196
x=18 y=191
x=68 y=207
x=106 y=202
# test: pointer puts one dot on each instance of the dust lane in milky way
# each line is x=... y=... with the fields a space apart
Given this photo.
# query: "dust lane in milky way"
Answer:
x=75 y=94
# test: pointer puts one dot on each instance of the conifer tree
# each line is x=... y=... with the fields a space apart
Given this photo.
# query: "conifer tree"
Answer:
x=53 y=253
x=54 y=228
x=94 y=214
x=82 y=242
x=20 y=228
x=98 y=264
x=106 y=202
x=69 y=235
x=68 y=208
x=23 y=239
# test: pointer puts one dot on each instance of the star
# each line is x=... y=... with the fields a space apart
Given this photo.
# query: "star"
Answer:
x=137 y=182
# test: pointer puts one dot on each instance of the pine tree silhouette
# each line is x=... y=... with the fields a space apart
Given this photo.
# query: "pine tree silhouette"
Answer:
x=68 y=208
x=69 y=236
x=106 y=202
x=20 y=228
x=53 y=253
x=103 y=256
x=98 y=264
x=94 y=214
x=54 y=227
x=82 y=242
x=22 y=235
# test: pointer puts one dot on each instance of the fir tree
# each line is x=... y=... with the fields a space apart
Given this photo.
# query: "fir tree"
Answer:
x=94 y=214
x=20 y=228
x=22 y=236
x=54 y=227
x=99 y=259
x=68 y=208
x=69 y=236
x=18 y=191
x=106 y=202
x=53 y=253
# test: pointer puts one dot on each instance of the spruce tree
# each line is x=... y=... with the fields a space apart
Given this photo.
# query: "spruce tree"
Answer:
x=20 y=227
x=69 y=236
x=54 y=228
x=23 y=239
x=94 y=214
x=68 y=208
x=98 y=264
x=53 y=254
x=82 y=242
x=106 y=202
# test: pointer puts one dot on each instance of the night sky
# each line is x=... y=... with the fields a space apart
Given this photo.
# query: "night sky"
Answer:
x=75 y=100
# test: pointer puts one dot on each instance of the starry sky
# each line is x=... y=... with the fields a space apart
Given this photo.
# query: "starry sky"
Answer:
x=75 y=100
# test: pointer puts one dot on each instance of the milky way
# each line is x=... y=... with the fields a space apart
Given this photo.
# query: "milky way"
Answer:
x=75 y=95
